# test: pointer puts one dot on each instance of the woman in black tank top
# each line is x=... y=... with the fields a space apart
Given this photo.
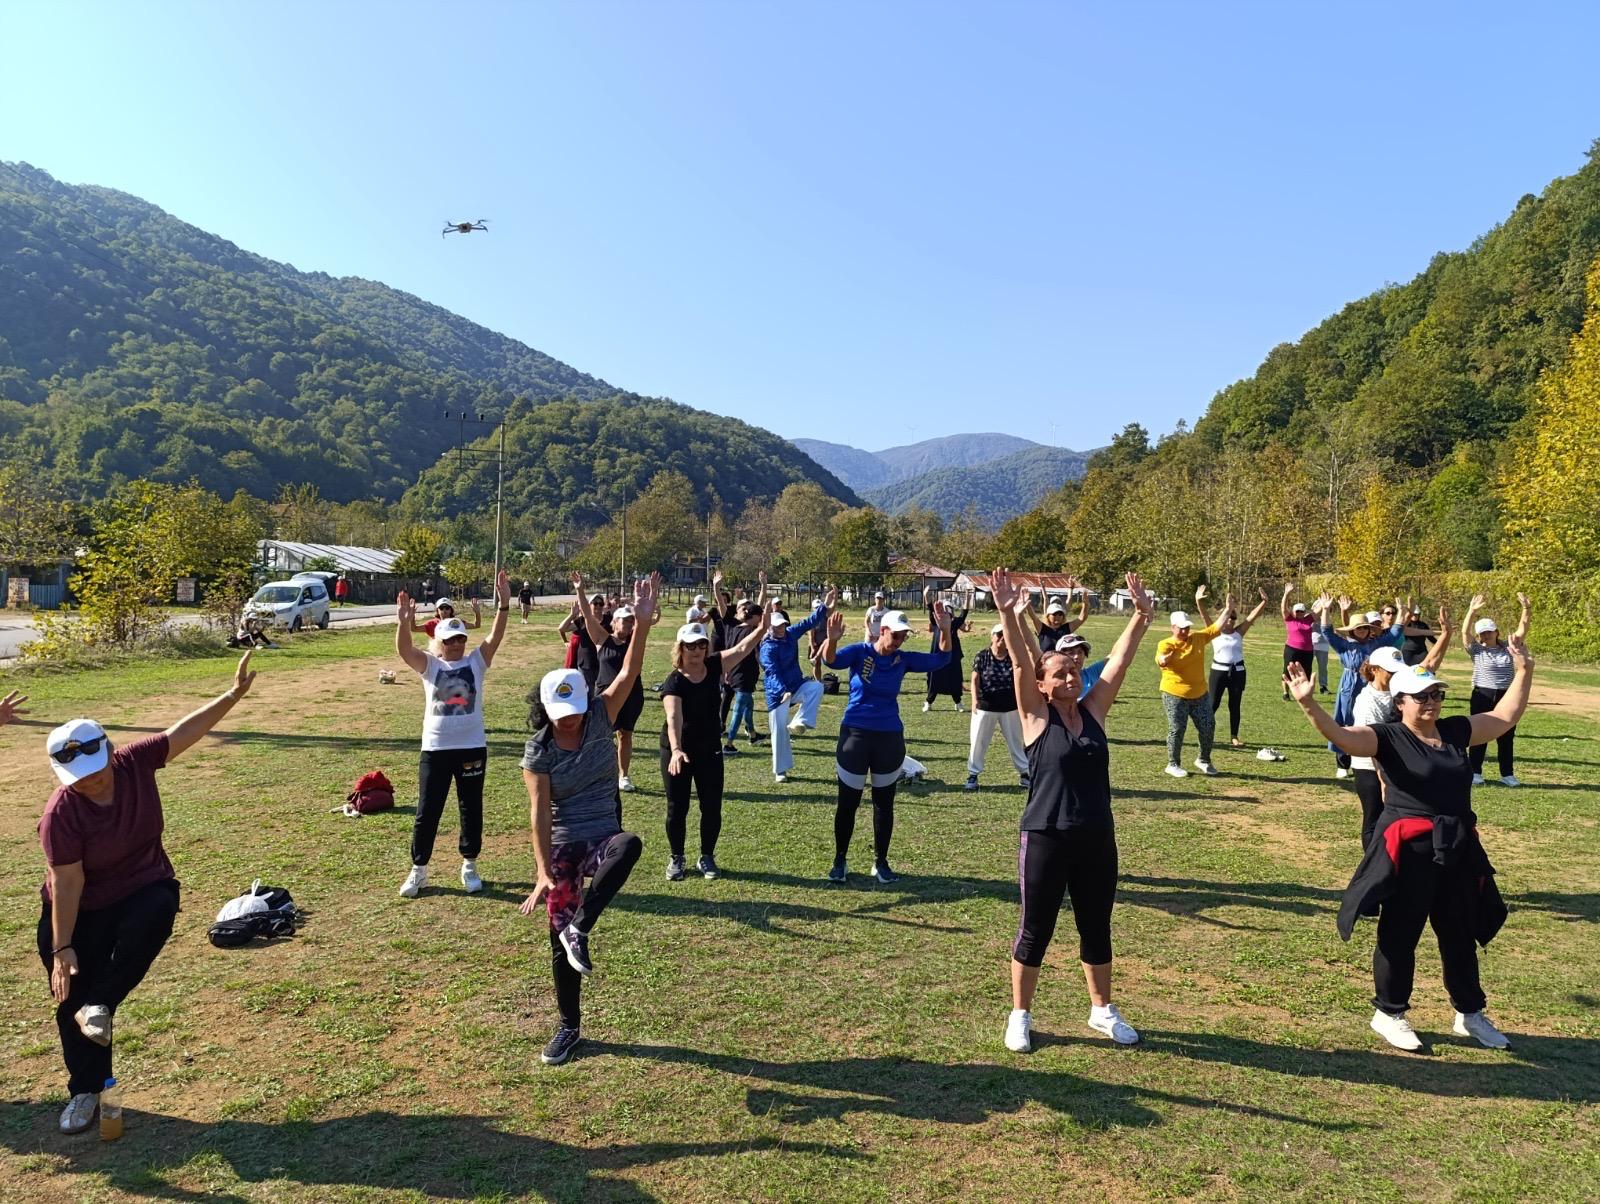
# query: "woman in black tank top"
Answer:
x=1069 y=843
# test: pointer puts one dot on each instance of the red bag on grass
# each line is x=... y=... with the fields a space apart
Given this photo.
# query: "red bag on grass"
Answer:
x=373 y=792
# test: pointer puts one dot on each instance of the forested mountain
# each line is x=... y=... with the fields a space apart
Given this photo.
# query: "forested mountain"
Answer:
x=862 y=470
x=856 y=468
x=135 y=345
x=996 y=491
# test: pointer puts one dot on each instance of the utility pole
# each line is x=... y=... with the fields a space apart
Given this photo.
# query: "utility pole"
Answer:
x=622 y=582
x=499 y=457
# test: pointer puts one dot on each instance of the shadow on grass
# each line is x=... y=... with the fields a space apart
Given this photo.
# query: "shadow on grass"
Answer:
x=1194 y=898
x=1572 y=908
x=766 y=915
x=447 y=1157
x=961 y=1094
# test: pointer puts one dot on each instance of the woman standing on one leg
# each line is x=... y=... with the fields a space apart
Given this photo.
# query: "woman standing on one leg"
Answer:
x=569 y=767
x=872 y=743
x=1069 y=843
x=1492 y=670
x=1424 y=862
x=110 y=894
x=1227 y=662
x=691 y=740
x=1181 y=659
x=454 y=745
x=792 y=697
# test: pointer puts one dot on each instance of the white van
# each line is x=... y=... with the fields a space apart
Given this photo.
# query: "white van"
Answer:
x=296 y=603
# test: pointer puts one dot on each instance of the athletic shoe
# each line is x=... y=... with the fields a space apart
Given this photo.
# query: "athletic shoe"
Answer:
x=1205 y=767
x=560 y=1047
x=1019 y=1031
x=778 y=779
x=674 y=869
x=972 y=782
x=1177 y=771
x=415 y=881
x=838 y=873
x=707 y=865
x=1109 y=1021
x=730 y=747
x=757 y=738
x=884 y=874
x=1397 y=1031
x=1510 y=780
x=1341 y=773
x=798 y=728
x=1027 y=782
x=78 y=1115
x=926 y=707
x=625 y=783
x=958 y=709
x=469 y=876
x=1477 y=779
x=577 y=946
x=94 y=1022
x=1478 y=1025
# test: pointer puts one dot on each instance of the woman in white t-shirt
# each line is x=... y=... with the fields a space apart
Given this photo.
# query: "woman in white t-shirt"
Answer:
x=454 y=745
x=1227 y=662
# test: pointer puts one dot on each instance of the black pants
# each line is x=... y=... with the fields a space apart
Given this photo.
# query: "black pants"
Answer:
x=115 y=946
x=726 y=705
x=1232 y=681
x=1483 y=700
x=1080 y=863
x=607 y=864
x=1427 y=892
x=1370 y=791
x=435 y=772
x=1297 y=656
x=865 y=756
x=943 y=681
x=704 y=774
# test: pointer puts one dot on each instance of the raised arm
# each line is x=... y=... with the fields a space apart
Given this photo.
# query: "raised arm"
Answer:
x=761 y=590
x=1083 y=607
x=477 y=610
x=1345 y=603
x=11 y=706
x=1473 y=607
x=182 y=734
x=591 y=621
x=1283 y=603
x=570 y=623
x=752 y=638
x=502 y=612
x=1522 y=619
x=405 y=611
x=645 y=615
x=1357 y=741
x=1105 y=690
x=1249 y=620
x=830 y=646
x=1435 y=656
x=1200 y=595
x=1491 y=725
x=1012 y=602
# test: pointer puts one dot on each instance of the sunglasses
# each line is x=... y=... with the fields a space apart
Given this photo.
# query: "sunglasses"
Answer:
x=1386 y=611
x=74 y=750
x=454 y=639
x=702 y=645
x=1436 y=694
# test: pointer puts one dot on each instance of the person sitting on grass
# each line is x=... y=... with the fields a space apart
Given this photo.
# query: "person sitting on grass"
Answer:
x=110 y=894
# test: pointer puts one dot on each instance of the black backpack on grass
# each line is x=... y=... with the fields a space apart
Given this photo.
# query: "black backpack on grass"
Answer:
x=276 y=919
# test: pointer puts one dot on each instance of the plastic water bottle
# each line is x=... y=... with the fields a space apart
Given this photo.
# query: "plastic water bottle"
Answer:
x=110 y=1111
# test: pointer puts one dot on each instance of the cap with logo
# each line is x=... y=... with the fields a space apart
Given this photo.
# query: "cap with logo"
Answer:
x=691 y=633
x=1411 y=680
x=1074 y=640
x=563 y=692
x=1387 y=657
x=83 y=744
x=450 y=629
x=895 y=620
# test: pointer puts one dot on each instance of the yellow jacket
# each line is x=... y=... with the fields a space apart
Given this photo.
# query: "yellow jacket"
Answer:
x=1185 y=675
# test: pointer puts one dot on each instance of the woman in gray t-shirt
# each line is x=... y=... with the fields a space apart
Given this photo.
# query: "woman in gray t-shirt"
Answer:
x=570 y=767
x=1492 y=670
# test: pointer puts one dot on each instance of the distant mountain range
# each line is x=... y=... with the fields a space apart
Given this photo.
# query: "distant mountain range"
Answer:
x=1000 y=476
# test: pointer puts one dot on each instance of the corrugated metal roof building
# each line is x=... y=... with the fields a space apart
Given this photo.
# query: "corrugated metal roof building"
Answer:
x=286 y=556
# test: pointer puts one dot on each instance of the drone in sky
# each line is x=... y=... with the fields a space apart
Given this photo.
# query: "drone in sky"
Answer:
x=464 y=227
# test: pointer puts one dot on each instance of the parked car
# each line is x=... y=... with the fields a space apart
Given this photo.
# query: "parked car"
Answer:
x=296 y=603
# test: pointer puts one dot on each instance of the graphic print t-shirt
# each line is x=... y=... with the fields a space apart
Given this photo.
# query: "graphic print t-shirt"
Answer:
x=453 y=714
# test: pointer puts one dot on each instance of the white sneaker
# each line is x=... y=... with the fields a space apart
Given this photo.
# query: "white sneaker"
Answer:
x=1109 y=1021
x=1510 y=780
x=778 y=779
x=1396 y=1030
x=1477 y=779
x=78 y=1115
x=1019 y=1030
x=1478 y=1025
x=625 y=783
x=1341 y=773
x=1205 y=767
x=469 y=877
x=415 y=881
x=94 y=1022
x=958 y=708
x=1177 y=771
x=926 y=707
x=798 y=728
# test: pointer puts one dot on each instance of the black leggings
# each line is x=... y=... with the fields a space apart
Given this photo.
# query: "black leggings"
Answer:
x=864 y=756
x=1484 y=699
x=1297 y=656
x=950 y=685
x=607 y=863
x=1424 y=892
x=704 y=774
x=1370 y=791
x=115 y=947
x=1231 y=680
x=1080 y=863
x=435 y=772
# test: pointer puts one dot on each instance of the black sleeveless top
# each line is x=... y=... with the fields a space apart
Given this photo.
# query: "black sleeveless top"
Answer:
x=1069 y=776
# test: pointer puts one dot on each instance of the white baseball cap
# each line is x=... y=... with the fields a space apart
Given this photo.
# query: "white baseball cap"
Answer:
x=691 y=632
x=68 y=741
x=1387 y=657
x=1179 y=618
x=779 y=619
x=877 y=593
x=1056 y=608
x=444 y=602
x=450 y=629
x=699 y=598
x=997 y=629
x=1483 y=625
x=622 y=612
x=1072 y=640
x=1411 y=680
x=1298 y=608
x=896 y=620
x=563 y=692
x=1372 y=618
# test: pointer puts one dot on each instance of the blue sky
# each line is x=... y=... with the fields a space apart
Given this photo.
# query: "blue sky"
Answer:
x=871 y=223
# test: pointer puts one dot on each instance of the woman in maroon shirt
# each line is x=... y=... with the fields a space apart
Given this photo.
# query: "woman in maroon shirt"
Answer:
x=110 y=895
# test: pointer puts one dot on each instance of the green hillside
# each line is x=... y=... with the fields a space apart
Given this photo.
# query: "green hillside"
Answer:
x=996 y=491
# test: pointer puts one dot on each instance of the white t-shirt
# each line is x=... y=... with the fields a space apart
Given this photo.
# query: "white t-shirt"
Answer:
x=452 y=715
x=1319 y=641
x=1228 y=649
x=875 y=620
x=1372 y=706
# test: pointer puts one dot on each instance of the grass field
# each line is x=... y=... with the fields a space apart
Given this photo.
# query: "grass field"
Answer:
x=770 y=1036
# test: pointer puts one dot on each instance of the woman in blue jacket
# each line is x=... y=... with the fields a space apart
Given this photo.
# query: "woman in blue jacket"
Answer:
x=792 y=696
x=1366 y=635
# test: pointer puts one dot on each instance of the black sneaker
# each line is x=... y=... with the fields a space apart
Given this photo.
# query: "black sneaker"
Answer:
x=758 y=738
x=577 y=946
x=707 y=865
x=1027 y=782
x=674 y=869
x=838 y=873
x=884 y=874
x=730 y=747
x=972 y=782
x=560 y=1047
